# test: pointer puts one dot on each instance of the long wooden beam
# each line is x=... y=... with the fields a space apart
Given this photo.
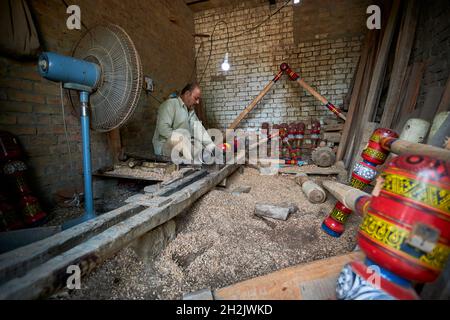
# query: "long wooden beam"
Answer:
x=355 y=98
x=404 y=47
x=295 y=77
x=255 y=101
x=51 y=276
x=18 y=262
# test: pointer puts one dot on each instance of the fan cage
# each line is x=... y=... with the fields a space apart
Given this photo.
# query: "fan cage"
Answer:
x=116 y=97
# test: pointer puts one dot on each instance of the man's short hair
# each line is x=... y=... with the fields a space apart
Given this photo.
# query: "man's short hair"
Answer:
x=190 y=87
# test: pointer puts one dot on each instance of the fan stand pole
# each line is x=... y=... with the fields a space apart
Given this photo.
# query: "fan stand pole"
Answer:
x=87 y=168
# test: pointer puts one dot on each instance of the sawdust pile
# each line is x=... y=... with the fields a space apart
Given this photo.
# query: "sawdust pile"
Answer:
x=220 y=242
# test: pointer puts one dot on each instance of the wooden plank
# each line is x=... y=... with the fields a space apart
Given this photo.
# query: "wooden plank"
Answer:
x=412 y=90
x=332 y=136
x=404 y=46
x=287 y=284
x=333 y=127
x=16 y=263
x=51 y=276
x=444 y=105
x=359 y=101
x=353 y=103
x=178 y=185
x=373 y=96
x=311 y=170
x=123 y=176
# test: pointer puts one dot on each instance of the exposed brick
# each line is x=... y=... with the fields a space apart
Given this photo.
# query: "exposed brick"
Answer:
x=14 y=106
x=16 y=84
x=6 y=118
x=26 y=118
x=22 y=96
x=23 y=130
x=48 y=109
x=30 y=106
x=47 y=87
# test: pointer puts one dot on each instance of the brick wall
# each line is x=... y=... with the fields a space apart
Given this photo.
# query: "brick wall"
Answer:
x=326 y=61
x=432 y=45
x=30 y=106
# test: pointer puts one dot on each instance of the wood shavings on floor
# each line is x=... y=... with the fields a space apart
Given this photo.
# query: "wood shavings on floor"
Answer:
x=220 y=242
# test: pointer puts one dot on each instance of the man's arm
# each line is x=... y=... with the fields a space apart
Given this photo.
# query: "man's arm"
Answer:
x=200 y=134
x=166 y=113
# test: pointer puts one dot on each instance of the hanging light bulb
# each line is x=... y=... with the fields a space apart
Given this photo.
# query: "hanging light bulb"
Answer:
x=225 y=64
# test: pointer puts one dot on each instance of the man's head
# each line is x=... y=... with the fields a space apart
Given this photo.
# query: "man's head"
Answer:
x=191 y=95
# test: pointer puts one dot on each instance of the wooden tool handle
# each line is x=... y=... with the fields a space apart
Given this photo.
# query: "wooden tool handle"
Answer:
x=347 y=195
x=401 y=147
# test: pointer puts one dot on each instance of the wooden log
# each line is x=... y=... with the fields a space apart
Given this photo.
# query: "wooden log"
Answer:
x=51 y=276
x=287 y=284
x=16 y=263
x=313 y=192
x=323 y=157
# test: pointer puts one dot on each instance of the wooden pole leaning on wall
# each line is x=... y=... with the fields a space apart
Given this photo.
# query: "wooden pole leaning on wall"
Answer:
x=255 y=101
x=295 y=77
x=402 y=147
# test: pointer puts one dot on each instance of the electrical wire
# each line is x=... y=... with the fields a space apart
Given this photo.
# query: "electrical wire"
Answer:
x=75 y=199
x=211 y=45
x=155 y=98
x=195 y=61
x=262 y=22
x=234 y=36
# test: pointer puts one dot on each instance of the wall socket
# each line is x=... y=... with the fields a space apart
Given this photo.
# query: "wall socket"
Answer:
x=148 y=84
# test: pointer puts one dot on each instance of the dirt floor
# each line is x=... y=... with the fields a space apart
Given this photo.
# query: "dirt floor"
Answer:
x=220 y=242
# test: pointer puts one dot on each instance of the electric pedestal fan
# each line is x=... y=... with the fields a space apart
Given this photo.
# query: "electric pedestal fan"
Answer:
x=106 y=71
